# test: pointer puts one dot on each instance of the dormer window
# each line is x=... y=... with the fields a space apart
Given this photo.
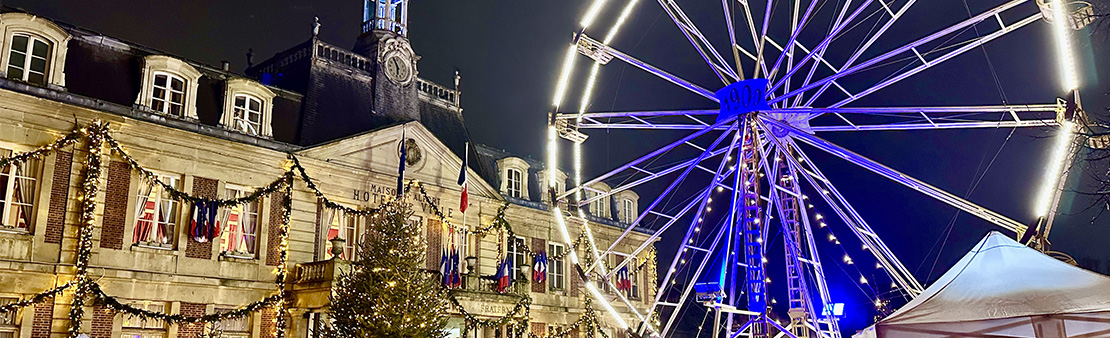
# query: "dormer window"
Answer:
x=247 y=116
x=169 y=87
x=28 y=58
x=628 y=211
x=515 y=178
x=168 y=96
x=248 y=107
x=32 y=50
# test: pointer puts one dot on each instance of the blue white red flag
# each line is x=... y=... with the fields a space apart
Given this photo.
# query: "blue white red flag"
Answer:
x=504 y=275
x=623 y=282
x=539 y=269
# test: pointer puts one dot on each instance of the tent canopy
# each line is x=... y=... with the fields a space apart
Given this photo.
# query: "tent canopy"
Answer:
x=1002 y=288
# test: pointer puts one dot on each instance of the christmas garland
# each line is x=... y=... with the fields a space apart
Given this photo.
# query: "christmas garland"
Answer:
x=114 y=304
x=97 y=134
x=186 y=197
x=38 y=298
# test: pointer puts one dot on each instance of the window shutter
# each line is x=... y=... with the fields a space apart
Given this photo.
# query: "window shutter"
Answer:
x=59 y=197
x=115 y=205
x=273 y=235
x=435 y=244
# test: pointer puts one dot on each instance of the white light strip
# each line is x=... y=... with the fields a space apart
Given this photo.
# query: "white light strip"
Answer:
x=591 y=14
x=1055 y=166
x=1063 y=45
x=552 y=151
x=568 y=67
x=608 y=307
x=589 y=89
x=620 y=21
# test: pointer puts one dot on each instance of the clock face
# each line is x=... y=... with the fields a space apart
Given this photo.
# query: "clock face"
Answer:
x=397 y=68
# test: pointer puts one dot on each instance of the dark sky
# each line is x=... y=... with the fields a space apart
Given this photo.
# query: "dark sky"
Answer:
x=509 y=53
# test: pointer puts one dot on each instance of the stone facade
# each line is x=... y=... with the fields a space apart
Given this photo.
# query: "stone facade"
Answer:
x=207 y=159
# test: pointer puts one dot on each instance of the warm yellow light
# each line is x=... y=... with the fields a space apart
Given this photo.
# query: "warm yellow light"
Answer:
x=1063 y=45
x=1055 y=166
x=568 y=67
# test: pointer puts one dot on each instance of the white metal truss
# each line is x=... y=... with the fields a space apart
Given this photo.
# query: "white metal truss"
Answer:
x=796 y=60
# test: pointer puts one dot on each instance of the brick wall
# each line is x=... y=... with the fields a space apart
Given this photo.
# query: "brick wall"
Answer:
x=44 y=316
x=204 y=188
x=539 y=329
x=102 y=322
x=318 y=244
x=435 y=243
x=269 y=316
x=59 y=197
x=573 y=333
x=115 y=205
x=538 y=245
x=573 y=283
x=273 y=236
x=193 y=330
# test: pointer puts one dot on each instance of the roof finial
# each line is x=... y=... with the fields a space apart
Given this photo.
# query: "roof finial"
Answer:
x=250 y=57
x=315 y=26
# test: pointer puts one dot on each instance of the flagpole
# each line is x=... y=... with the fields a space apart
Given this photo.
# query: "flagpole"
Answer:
x=466 y=157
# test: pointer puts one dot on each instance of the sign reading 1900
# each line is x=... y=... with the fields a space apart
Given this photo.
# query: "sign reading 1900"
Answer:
x=742 y=97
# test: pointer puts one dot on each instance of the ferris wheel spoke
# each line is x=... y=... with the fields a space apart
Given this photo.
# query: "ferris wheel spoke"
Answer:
x=938 y=125
x=599 y=51
x=894 y=175
x=719 y=66
x=730 y=123
x=798 y=25
x=662 y=196
x=894 y=16
x=820 y=47
x=926 y=64
x=855 y=222
x=911 y=48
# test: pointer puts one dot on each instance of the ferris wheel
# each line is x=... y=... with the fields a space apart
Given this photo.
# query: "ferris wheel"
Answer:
x=788 y=72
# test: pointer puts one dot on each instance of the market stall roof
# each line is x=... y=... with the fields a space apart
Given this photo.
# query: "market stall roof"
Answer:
x=1002 y=288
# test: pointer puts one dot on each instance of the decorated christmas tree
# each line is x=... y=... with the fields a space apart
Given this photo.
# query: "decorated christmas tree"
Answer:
x=386 y=293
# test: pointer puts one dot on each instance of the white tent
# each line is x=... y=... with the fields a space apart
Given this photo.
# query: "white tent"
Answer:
x=1004 y=289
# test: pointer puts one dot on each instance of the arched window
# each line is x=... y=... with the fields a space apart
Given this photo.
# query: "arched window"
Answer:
x=168 y=94
x=628 y=210
x=28 y=59
x=247 y=116
x=515 y=183
x=32 y=50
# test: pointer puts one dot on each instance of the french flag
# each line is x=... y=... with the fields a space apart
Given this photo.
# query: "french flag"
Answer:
x=462 y=179
x=504 y=275
x=456 y=276
x=539 y=271
x=445 y=268
x=623 y=282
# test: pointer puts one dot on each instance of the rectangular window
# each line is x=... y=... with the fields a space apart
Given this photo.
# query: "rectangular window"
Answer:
x=515 y=178
x=156 y=213
x=516 y=253
x=247 y=114
x=555 y=267
x=629 y=212
x=634 y=278
x=233 y=328
x=239 y=237
x=135 y=327
x=169 y=94
x=8 y=327
x=27 y=59
x=349 y=228
x=597 y=207
x=17 y=193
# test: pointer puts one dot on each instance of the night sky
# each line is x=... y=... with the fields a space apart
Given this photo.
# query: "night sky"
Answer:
x=509 y=54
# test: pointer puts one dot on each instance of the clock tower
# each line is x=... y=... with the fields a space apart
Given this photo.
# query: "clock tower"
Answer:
x=384 y=40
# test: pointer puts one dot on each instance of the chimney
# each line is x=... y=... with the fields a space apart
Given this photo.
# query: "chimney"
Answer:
x=226 y=66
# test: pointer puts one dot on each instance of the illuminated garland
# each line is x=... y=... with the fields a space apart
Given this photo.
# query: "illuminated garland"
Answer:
x=186 y=197
x=114 y=304
x=38 y=298
x=97 y=134
x=89 y=187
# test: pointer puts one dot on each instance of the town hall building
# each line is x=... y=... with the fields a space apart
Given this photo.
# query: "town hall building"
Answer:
x=345 y=113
